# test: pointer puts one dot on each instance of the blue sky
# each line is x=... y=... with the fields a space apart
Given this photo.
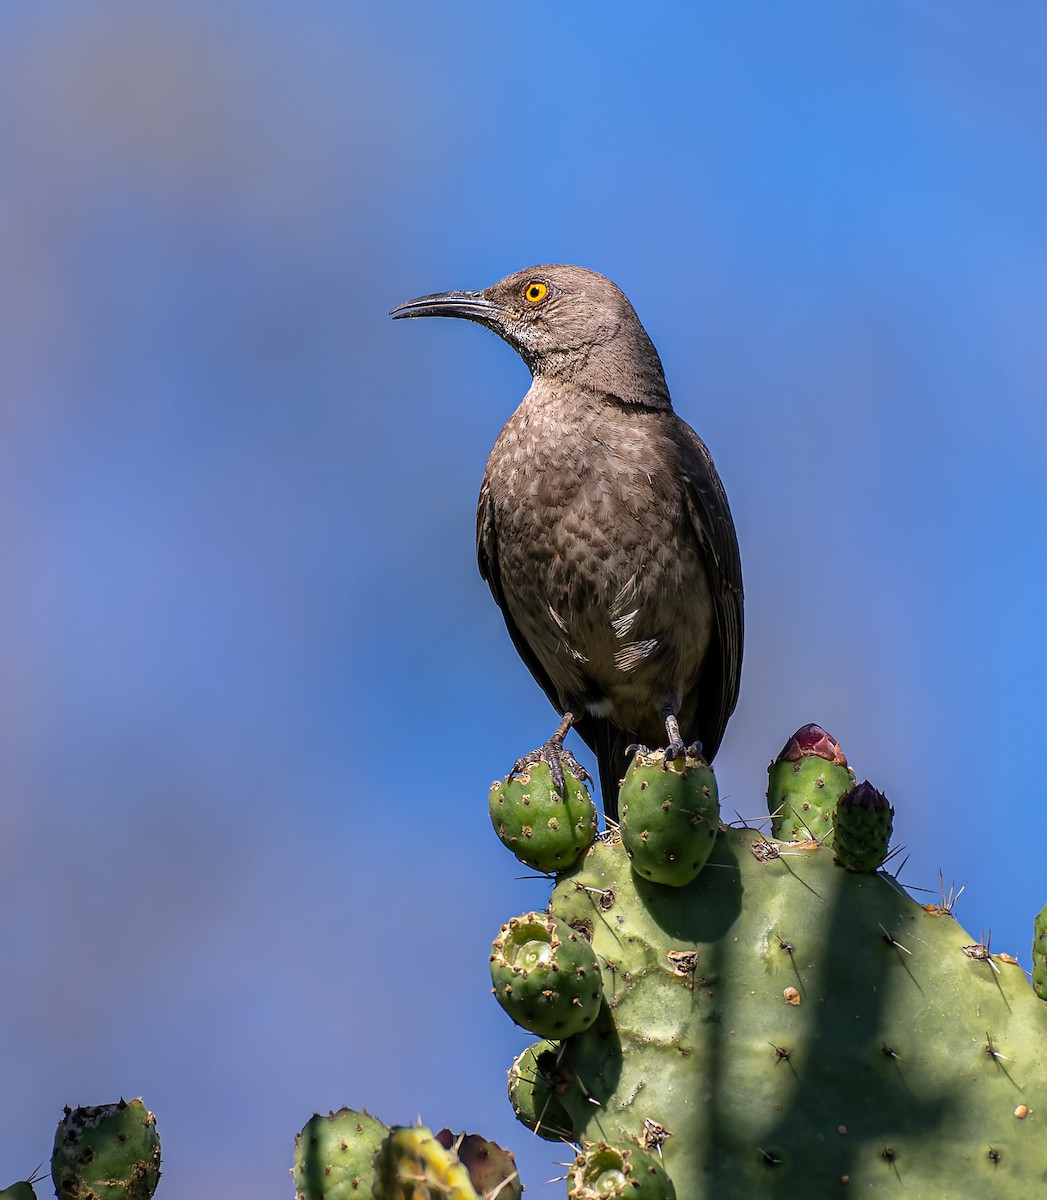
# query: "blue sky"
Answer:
x=252 y=689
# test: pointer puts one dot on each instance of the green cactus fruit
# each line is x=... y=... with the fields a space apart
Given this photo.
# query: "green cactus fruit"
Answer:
x=780 y=1025
x=804 y=784
x=492 y=1169
x=862 y=826
x=545 y=829
x=535 y=1084
x=412 y=1165
x=605 y=1172
x=334 y=1155
x=22 y=1190
x=106 y=1152
x=1039 y=953
x=670 y=812
x=546 y=976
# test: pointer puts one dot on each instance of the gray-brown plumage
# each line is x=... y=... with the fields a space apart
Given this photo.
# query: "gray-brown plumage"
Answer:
x=603 y=529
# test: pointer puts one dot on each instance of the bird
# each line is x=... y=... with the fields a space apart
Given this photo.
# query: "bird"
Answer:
x=603 y=529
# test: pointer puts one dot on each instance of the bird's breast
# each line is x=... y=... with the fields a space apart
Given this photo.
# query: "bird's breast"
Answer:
x=599 y=566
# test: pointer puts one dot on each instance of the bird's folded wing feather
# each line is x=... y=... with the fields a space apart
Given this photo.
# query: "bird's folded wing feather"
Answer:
x=487 y=560
x=711 y=519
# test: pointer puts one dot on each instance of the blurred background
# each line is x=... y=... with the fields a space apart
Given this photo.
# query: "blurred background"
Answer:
x=252 y=689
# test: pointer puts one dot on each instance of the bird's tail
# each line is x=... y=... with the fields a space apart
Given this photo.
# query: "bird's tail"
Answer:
x=608 y=744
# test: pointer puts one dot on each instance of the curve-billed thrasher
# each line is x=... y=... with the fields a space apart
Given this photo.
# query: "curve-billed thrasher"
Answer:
x=603 y=529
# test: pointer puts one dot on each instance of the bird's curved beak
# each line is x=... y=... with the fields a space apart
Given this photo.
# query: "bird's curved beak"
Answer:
x=472 y=306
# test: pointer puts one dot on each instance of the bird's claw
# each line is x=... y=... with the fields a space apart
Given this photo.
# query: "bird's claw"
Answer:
x=676 y=749
x=555 y=758
x=636 y=748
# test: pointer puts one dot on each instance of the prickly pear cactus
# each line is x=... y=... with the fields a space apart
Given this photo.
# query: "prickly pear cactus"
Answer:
x=788 y=1024
x=536 y=1082
x=23 y=1190
x=670 y=811
x=334 y=1155
x=492 y=1169
x=106 y=1152
x=545 y=975
x=1039 y=953
x=862 y=825
x=605 y=1172
x=804 y=783
x=781 y=1025
x=412 y=1165
x=544 y=828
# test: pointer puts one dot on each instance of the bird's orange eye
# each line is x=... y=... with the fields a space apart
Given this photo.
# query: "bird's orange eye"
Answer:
x=536 y=291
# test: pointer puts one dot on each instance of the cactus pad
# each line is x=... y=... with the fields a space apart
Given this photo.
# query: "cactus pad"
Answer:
x=786 y=1026
x=106 y=1152
x=334 y=1155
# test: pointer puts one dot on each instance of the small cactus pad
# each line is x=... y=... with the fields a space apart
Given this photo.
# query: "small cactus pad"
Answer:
x=492 y=1169
x=536 y=1082
x=804 y=784
x=545 y=975
x=106 y=1152
x=670 y=812
x=605 y=1172
x=412 y=1165
x=334 y=1155
x=544 y=829
x=862 y=825
x=1039 y=953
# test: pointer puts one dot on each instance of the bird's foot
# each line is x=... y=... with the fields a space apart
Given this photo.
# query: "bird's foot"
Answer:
x=676 y=749
x=555 y=758
x=637 y=748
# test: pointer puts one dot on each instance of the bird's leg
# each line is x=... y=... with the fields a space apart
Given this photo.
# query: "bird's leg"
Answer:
x=676 y=748
x=555 y=756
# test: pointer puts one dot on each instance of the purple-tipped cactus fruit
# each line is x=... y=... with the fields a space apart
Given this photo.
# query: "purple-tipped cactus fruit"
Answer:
x=804 y=784
x=862 y=826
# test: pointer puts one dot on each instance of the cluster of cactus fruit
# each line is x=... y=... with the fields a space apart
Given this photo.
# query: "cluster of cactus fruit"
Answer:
x=350 y=1155
x=720 y=1013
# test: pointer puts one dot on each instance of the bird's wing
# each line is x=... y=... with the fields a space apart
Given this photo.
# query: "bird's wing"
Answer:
x=487 y=560
x=712 y=523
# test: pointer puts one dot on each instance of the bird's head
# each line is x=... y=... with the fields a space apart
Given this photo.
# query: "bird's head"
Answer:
x=565 y=322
